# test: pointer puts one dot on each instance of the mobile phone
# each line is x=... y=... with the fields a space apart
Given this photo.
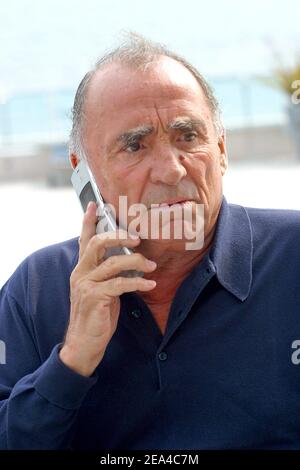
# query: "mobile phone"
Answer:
x=87 y=190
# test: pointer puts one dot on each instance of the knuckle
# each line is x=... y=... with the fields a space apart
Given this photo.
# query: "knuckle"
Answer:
x=139 y=257
x=102 y=239
x=85 y=292
x=105 y=236
x=110 y=262
x=74 y=278
x=122 y=234
x=94 y=241
x=117 y=282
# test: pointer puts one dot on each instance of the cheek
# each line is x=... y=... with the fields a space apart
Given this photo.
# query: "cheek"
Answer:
x=106 y=185
x=126 y=182
x=203 y=168
x=130 y=178
x=197 y=166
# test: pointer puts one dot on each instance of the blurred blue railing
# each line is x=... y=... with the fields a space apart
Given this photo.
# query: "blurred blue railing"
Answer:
x=45 y=116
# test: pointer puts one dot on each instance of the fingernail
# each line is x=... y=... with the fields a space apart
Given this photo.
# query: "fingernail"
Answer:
x=134 y=236
x=89 y=206
x=151 y=264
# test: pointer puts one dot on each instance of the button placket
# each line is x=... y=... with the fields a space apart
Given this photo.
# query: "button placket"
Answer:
x=161 y=358
x=182 y=313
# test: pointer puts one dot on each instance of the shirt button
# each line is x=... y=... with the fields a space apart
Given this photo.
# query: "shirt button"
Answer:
x=162 y=356
x=136 y=313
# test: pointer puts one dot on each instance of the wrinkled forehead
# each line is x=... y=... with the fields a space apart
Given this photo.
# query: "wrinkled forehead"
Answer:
x=118 y=86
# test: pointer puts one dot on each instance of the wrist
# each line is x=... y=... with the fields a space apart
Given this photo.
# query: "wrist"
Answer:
x=75 y=361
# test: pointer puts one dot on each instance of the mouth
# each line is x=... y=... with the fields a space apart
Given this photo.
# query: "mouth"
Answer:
x=172 y=202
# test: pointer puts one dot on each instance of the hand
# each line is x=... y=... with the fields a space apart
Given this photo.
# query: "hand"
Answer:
x=95 y=287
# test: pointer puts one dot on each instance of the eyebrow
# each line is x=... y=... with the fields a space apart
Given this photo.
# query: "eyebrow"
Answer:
x=186 y=124
x=132 y=135
x=183 y=124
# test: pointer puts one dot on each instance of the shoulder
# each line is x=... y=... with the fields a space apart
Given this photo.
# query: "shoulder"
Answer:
x=274 y=231
x=274 y=217
x=274 y=223
x=265 y=218
x=36 y=296
x=60 y=254
x=49 y=267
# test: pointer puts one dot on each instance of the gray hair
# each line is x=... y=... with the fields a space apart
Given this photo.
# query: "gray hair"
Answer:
x=139 y=53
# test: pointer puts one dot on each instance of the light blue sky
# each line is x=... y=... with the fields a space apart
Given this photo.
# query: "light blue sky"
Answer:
x=48 y=44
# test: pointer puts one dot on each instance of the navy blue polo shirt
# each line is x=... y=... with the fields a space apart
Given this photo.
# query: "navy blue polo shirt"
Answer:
x=225 y=375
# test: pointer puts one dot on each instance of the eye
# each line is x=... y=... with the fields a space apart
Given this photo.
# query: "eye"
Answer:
x=133 y=147
x=189 y=136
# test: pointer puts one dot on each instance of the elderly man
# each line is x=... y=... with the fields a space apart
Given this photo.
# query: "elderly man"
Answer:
x=199 y=353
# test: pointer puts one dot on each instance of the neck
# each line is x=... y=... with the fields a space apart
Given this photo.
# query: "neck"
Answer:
x=173 y=265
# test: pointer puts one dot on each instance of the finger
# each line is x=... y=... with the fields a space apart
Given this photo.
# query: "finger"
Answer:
x=88 y=227
x=115 y=264
x=97 y=245
x=119 y=285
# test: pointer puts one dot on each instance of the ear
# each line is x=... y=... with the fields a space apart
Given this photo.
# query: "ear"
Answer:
x=74 y=160
x=223 y=152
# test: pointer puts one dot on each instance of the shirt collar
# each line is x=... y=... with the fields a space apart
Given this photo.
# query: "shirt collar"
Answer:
x=232 y=249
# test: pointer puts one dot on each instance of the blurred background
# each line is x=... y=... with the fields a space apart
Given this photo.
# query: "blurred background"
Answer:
x=248 y=52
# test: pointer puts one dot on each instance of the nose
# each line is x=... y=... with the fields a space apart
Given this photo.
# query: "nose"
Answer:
x=166 y=166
